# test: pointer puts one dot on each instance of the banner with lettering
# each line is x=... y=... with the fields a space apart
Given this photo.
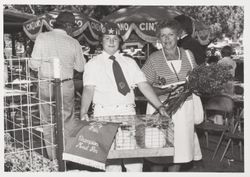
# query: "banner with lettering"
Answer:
x=143 y=20
x=87 y=27
x=89 y=143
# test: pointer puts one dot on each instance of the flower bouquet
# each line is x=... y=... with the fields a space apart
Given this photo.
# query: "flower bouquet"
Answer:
x=204 y=79
x=209 y=80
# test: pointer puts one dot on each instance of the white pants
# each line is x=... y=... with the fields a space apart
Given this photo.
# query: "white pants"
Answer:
x=115 y=165
x=46 y=90
x=131 y=165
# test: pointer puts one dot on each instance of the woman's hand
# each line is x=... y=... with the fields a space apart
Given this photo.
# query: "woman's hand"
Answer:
x=167 y=90
x=84 y=116
x=178 y=89
x=163 y=111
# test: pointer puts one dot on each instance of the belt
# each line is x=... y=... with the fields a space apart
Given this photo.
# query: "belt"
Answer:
x=63 y=80
x=68 y=79
x=113 y=106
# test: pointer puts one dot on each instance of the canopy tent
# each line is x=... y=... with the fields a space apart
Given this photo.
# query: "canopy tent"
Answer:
x=13 y=25
x=88 y=28
x=13 y=20
x=143 y=20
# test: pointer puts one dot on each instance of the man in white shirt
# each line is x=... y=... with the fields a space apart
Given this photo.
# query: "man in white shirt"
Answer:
x=57 y=44
x=111 y=95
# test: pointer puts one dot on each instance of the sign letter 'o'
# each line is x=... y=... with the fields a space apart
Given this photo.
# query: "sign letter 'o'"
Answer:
x=123 y=26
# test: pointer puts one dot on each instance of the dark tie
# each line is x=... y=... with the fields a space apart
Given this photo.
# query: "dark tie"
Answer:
x=120 y=80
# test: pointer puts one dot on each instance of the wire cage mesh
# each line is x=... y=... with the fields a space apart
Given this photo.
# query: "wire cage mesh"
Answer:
x=141 y=136
x=25 y=148
x=30 y=141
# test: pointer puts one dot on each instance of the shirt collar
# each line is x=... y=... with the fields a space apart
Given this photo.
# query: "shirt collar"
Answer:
x=183 y=36
x=57 y=30
x=106 y=55
x=227 y=57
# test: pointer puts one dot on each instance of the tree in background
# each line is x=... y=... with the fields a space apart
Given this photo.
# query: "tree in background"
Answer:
x=223 y=20
x=228 y=20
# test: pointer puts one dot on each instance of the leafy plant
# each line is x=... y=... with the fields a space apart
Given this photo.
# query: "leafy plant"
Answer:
x=21 y=160
x=205 y=79
x=209 y=79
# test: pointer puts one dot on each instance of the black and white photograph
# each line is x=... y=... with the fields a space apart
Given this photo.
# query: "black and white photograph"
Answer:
x=124 y=86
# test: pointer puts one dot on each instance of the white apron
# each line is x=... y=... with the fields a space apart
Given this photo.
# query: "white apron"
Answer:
x=186 y=143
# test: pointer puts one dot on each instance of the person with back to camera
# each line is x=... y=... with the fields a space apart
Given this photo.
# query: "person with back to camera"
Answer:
x=186 y=40
x=172 y=64
x=148 y=48
x=112 y=95
x=57 y=43
x=226 y=54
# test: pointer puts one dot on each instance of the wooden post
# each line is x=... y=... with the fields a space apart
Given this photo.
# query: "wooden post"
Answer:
x=13 y=44
x=59 y=116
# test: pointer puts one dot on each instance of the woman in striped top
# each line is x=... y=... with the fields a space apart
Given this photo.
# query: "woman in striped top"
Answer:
x=170 y=65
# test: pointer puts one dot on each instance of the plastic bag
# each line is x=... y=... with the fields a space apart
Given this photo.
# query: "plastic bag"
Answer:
x=198 y=110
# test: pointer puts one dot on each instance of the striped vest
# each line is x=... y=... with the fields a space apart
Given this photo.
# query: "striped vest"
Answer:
x=156 y=66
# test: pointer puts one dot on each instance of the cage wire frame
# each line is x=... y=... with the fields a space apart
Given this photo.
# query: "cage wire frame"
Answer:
x=141 y=136
x=25 y=148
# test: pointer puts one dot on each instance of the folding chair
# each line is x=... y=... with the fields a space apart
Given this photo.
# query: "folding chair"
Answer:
x=223 y=104
x=236 y=134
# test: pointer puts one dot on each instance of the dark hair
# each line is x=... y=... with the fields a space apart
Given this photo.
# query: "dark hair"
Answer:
x=226 y=51
x=59 y=25
x=100 y=37
x=173 y=24
x=149 y=48
x=120 y=43
x=64 y=18
x=213 y=59
x=186 y=23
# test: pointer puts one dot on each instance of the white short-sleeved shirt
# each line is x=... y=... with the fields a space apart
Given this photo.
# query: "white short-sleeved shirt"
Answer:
x=99 y=73
x=57 y=43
